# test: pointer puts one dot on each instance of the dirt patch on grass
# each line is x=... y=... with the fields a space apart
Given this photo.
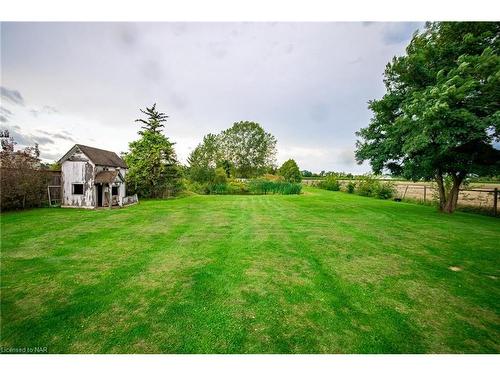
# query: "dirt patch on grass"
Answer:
x=166 y=272
x=370 y=269
x=278 y=270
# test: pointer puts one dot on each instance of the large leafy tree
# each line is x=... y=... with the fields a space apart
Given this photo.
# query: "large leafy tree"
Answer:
x=439 y=118
x=153 y=167
x=249 y=148
x=244 y=150
x=290 y=171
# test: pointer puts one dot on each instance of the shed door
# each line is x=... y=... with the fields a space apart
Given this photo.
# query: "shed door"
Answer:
x=99 y=195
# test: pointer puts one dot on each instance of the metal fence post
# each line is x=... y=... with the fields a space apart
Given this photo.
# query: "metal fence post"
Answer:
x=425 y=193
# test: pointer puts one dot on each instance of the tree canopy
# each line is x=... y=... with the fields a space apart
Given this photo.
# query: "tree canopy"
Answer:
x=249 y=148
x=207 y=153
x=306 y=173
x=290 y=171
x=440 y=116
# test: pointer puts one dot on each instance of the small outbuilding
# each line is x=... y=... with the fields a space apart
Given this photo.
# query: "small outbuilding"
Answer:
x=93 y=178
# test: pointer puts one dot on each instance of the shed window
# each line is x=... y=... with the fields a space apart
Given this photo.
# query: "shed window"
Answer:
x=77 y=189
x=114 y=190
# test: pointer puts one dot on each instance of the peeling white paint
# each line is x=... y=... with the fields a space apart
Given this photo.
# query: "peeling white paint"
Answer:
x=79 y=169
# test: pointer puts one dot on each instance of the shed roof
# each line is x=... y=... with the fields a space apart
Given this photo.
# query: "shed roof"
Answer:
x=98 y=156
x=106 y=177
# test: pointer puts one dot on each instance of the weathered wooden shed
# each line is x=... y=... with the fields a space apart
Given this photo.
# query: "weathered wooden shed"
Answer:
x=92 y=178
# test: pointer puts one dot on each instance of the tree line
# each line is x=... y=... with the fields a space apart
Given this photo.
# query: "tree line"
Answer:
x=23 y=182
x=216 y=165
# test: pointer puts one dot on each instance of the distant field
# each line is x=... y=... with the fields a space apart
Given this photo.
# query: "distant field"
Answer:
x=486 y=185
x=479 y=195
x=476 y=194
x=323 y=272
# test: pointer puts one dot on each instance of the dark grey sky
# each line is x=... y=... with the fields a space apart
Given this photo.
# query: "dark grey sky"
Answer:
x=306 y=83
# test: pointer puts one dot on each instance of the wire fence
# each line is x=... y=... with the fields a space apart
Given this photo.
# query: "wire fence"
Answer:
x=484 y=199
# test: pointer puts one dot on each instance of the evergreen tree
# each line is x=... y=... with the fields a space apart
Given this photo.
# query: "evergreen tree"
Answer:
x=154 y=121
x=153 y=168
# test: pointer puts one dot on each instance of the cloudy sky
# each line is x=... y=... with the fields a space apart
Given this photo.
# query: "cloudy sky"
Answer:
x=306 y=83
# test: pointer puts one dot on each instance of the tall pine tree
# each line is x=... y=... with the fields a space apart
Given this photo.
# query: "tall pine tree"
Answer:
x=153 y=167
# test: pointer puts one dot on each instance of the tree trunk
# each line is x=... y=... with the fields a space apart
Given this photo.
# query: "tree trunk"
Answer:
x=441 y=190
x=448 y=200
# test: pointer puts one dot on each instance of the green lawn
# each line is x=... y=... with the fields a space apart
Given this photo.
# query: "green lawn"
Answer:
x=323 y=272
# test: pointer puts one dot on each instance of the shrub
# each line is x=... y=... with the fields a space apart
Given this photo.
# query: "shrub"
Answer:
x=229 y=187
x=291 y=188
x=23 y=184
x=350 y=187
x=172 y=188
x=220 y=176
x=371 y=187
x=237 y=187
x=196 y=187
x=367 y=186
x=330 y=183
x=261 y=186
x=207 y=180
x=257 y=186
x=385 y=190
x=217 y=188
